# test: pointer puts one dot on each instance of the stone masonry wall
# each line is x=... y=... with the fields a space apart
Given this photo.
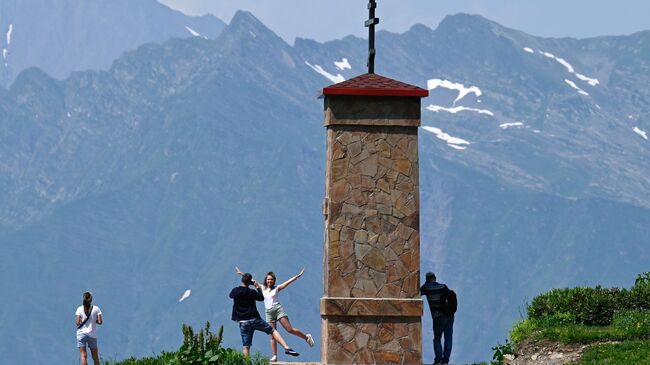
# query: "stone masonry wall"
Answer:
x=371 y=309
x=373 y=213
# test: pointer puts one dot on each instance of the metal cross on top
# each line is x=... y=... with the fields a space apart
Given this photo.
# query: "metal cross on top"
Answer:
x=370 y=23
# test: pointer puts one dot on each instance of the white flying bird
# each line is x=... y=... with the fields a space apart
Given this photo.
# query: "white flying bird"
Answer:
x=185 y=295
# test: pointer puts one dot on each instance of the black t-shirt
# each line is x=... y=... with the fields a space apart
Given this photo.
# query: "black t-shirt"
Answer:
x=244 y=306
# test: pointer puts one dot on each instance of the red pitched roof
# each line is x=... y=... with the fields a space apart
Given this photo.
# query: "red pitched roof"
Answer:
x=374 y=85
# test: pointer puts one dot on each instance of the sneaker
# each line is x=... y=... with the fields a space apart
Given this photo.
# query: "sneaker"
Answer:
x=273 y=358
x=310 y=340
x=289 y=351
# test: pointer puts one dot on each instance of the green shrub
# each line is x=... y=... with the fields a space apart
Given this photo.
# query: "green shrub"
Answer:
x=640 y=293
x=166 y=358
x=591 y=306
x=197 y=346
x=635 y=324
x=500 y=351
x=524 y=330
x=202 y=348
x=559 y=319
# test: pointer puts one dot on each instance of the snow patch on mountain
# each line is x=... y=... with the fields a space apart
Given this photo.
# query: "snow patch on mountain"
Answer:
x=570 y=69
x=9 y=32
x=5 y=52
x=453 y=142
x=343 y=64
x=511 y=125
x=547 y=54
x=573 y=85
x=457 y=109
x=252 y=34
x=564 y=63
x=334 y=78
x=193 y=32
x=641 y=132
x=589 y=80
x=529 y=50
x=462 y=89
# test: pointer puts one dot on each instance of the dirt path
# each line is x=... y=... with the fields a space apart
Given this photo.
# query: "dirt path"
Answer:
x=548 y=353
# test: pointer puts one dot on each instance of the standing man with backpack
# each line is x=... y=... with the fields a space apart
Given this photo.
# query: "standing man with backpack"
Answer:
x=443 y=304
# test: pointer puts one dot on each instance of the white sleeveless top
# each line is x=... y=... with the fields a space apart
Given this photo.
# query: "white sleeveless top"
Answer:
x=270 y=297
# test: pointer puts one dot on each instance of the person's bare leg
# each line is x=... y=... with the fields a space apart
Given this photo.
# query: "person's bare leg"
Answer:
x=82 y=355
x=294 y=331
x=246 y=351
x=95 y=354
x=274 y=344
x=278 y=337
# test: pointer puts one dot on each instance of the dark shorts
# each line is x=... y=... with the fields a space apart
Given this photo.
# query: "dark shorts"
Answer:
x=247 y=328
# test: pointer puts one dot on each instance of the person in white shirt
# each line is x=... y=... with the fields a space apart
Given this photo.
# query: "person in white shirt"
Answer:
x=274 y=311
x=88 y=316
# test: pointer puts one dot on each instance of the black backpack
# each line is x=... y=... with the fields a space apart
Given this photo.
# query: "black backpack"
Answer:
x=449 y=302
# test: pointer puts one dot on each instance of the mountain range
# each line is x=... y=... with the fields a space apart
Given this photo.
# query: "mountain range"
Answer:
x=186 y=158
x=61 y=36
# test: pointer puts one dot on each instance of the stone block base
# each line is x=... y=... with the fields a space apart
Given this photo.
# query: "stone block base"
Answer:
x=371 y=331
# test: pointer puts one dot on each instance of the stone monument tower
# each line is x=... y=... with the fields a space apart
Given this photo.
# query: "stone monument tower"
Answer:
x=371 y=308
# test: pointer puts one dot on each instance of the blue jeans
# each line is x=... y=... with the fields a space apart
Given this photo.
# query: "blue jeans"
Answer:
x=247 y=328
x=443 y=325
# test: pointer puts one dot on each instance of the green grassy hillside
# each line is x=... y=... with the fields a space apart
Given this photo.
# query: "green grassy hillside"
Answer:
x=614 y=322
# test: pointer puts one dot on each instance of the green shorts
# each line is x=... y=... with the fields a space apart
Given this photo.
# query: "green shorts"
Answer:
x=274 y=313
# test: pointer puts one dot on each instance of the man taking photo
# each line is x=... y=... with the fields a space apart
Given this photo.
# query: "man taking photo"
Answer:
x=244 y=311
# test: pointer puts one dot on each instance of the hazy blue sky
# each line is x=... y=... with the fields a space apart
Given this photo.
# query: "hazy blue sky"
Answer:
x=330 y=19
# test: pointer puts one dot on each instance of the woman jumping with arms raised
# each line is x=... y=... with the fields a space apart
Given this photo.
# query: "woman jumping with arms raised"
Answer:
x=274 y=311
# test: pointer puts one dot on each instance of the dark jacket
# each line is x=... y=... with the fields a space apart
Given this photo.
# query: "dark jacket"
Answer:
x=434 y=291
x=244 y=306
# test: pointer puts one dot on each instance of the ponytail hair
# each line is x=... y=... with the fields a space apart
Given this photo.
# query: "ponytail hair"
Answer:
x=87 y=301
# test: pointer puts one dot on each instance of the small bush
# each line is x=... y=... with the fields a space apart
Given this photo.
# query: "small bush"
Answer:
x=166 y=358
x=640 y=293
x=591 y=306
x=202 y=348
x=500 y=352
x=559 y=319
x=634 y=324
x=524 y=330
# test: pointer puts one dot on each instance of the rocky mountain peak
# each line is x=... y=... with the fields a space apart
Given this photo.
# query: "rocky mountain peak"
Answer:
x=468 y=24
x=246 y=28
